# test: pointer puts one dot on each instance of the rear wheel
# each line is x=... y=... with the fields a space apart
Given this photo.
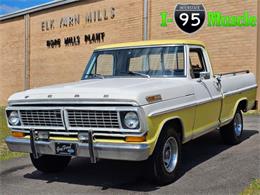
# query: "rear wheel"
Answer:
x=163 y=165
x=232 y=132
x=50 y=163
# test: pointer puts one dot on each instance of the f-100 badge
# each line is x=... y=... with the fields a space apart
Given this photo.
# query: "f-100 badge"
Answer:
x=189 y=17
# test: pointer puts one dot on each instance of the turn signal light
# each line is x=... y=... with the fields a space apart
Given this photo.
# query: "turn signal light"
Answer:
x=154 y=98
x=135 y=139
x=18 y=134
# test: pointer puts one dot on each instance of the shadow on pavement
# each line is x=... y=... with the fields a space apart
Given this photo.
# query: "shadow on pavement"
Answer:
x=129 y=175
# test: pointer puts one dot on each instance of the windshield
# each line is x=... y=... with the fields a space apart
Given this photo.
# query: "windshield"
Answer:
x=137 y=62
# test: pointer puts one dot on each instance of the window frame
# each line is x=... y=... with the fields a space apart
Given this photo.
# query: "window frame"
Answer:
x=205 y=57
x=91 y=63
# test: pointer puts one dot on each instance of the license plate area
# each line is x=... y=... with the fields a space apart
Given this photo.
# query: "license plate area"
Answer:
x=69 y=149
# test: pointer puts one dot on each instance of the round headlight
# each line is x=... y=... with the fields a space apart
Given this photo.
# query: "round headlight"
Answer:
x=14 y=118
x=131 y=120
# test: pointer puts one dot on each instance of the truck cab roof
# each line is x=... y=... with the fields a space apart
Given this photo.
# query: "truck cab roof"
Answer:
x=151 y=43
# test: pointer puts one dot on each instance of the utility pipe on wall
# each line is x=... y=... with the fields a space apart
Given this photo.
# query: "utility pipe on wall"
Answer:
x=145 y=25
x=26 y=51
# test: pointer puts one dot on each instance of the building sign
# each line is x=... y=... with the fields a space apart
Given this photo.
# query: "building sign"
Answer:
x=76 y=20
x=76 y=40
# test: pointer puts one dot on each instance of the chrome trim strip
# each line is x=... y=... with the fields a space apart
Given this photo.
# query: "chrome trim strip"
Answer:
x=171 y=109
x=116 y=151
x=36 y=127
x=119 y=121
x=239 y=90
x=62 y=133
x=95 y=133
x=72 y=101
x=225 y=122
x=198 y=134
x=112 y=130
x=97 y=108
x=19 y=114
x=195 y=103
x=19 y=130
x=118 y=135
x=183 y=106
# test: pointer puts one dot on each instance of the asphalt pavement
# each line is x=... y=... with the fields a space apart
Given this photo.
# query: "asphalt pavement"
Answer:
x=209 y=167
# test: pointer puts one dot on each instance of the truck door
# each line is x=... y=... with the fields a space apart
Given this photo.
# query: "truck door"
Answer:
x=207 y=91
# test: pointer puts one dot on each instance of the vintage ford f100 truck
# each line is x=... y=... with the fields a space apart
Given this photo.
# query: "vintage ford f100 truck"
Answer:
x=136 y=101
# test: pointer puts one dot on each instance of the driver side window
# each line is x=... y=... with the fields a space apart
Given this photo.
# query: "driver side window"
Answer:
x=197 y=63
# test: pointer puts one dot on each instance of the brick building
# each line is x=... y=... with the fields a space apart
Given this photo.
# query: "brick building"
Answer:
x=51 y=43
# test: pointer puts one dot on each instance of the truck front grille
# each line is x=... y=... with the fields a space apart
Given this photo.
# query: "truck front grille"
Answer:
x=44 y=118
x=93 y=119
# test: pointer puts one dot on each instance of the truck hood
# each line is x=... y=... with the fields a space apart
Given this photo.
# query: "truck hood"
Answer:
x=110 y=89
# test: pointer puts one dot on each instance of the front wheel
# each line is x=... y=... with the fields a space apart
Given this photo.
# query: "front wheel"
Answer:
x=232 y=132
x=50 y=163
x=163 y=165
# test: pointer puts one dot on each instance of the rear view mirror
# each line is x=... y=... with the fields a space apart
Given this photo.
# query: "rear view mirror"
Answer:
x=204 y=75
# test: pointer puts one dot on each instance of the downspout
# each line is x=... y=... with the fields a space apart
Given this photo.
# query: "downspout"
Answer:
x=145 y=25
x=26 y=51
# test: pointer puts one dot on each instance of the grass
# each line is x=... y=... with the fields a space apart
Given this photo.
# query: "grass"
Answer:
x=5 y=153
x=253 y=112
x=253 y=188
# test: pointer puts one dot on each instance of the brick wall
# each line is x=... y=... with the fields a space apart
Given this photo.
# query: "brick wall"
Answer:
x=11 y=58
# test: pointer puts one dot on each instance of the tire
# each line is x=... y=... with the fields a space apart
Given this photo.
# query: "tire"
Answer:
x=50 y=163
x=232 y=132
x=161 y=172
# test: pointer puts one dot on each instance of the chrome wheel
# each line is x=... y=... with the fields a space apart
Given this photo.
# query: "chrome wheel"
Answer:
x=170 y=154
x=238 y=124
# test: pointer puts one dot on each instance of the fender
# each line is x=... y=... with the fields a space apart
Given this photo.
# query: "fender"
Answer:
x=154 y=139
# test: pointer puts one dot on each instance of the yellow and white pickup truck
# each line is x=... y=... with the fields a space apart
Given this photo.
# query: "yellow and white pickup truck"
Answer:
x=137 y=101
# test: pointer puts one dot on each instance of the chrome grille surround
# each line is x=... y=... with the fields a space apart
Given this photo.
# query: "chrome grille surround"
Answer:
x=107 y=117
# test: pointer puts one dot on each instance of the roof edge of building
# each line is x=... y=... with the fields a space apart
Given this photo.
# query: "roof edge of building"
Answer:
x=36 y=9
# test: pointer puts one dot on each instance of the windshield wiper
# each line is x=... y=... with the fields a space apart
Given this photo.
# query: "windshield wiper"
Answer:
x=96 y=76
x=139 y=74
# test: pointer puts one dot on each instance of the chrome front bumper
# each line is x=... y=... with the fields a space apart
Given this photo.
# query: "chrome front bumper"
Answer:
x=115 y=151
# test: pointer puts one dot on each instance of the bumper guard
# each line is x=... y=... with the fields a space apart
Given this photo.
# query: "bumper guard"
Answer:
x=93 y=150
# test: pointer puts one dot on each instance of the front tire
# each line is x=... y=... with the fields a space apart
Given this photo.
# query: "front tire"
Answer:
x=163 y=165
x=50 y=163
x=232 y=132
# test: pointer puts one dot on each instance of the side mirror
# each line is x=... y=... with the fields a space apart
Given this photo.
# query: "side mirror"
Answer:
x=204 y=75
